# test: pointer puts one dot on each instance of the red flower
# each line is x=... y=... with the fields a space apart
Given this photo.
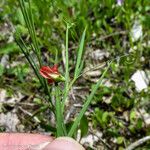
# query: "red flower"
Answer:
x=51 y=74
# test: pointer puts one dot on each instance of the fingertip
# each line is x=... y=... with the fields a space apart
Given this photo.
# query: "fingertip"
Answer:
x=63 y=143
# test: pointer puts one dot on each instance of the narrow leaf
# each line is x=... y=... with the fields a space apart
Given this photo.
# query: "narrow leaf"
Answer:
x=87 y=103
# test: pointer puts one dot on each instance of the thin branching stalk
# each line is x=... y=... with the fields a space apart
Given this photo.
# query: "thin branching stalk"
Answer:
x=78 y=67
x=66 y=70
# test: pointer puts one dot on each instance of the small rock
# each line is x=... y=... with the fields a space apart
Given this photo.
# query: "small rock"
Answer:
x=9 y=121
x=136 y=31
x=140 y=79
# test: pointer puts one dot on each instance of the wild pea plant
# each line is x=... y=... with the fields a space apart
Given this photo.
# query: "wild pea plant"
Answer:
x=51 y=77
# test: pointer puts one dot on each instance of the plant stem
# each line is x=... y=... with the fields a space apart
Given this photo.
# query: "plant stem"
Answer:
x=59 y=115
x=66 y=70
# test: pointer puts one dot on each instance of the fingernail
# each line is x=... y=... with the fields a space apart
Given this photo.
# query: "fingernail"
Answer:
x=63 y=143
x=40 y=146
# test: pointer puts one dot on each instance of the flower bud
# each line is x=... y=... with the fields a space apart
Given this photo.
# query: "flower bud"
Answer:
x=51 y=74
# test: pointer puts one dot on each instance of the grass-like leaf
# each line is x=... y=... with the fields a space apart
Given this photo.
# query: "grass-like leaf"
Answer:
x=87 y=103
x=27 y=14
x=79 y=56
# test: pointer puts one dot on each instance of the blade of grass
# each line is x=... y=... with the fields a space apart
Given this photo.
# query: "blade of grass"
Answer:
x=24 y=49
x=79 y=57
x=27 y=14
x=87 y=103
x=34 y=34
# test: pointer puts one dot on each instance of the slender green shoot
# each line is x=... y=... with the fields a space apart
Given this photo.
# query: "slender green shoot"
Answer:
x=59 y=115
x=66 y=70
x=67 y=60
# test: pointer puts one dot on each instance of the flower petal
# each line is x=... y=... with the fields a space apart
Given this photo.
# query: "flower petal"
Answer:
x=44 y=74
x=51 y=74
x=55 y=68
x=50 y=81
x=46 y=69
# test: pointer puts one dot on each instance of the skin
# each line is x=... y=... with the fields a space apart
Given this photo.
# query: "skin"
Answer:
x=25 y=141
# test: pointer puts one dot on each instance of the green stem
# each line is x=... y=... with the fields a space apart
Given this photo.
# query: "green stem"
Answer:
x=66 y=70
x=66 y=94
x=59 y=116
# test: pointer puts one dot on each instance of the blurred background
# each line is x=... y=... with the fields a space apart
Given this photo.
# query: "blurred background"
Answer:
x=117 y=30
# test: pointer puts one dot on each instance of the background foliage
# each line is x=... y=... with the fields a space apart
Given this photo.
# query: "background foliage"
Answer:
x=118 y=110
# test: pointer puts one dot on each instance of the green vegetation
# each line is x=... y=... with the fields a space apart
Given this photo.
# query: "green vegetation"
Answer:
x=91 y=41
